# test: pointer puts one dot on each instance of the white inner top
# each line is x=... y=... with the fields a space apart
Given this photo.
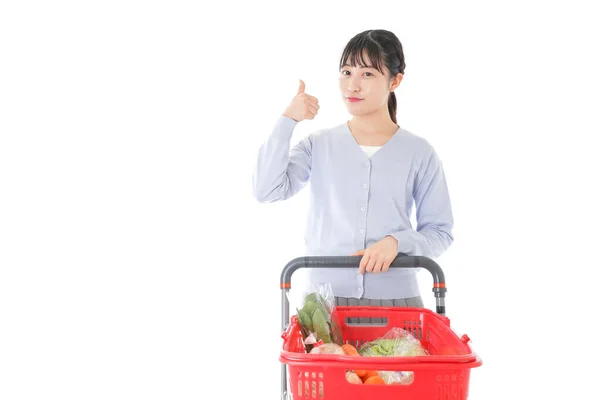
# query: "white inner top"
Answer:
x=370 y=150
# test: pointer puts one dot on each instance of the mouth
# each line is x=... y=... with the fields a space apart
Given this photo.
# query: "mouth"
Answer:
x=353 y=99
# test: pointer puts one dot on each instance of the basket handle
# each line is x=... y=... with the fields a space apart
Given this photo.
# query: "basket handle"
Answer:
x=401 y=261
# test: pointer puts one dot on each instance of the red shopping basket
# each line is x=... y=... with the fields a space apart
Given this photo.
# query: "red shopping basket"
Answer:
x=443 y=374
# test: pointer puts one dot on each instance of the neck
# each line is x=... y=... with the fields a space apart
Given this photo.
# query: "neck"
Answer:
x=373 y=128
x=374 y=123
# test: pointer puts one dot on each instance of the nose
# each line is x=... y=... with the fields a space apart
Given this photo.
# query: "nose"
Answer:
x=353 y=85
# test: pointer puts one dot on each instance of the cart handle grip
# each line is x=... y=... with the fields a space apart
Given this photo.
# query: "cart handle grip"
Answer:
x=401 y=261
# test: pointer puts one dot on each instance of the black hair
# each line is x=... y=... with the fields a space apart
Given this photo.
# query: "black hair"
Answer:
x=381 y=48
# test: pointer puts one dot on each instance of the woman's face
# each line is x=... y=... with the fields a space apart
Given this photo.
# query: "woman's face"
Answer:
x=365 y=90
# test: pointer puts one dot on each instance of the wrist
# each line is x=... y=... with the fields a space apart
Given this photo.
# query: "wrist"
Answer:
x=286 y=114
x=392 y=239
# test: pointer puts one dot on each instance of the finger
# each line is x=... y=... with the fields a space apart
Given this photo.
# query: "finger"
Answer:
x=379 y=266
x=313 y=109
x=311 y=113
x=363 y=264
x=312 y=98
x=386 y=266
x=371 y=265
x=311 y=102
x=375 y=262
x=302 y=87
x=359 y=253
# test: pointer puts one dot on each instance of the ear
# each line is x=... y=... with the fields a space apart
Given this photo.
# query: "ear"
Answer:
x=396 y=82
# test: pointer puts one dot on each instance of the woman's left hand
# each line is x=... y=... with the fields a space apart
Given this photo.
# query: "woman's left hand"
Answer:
x=378 y=257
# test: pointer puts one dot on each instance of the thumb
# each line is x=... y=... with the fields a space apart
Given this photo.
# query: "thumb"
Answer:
x=301 y=88
x=360 y=253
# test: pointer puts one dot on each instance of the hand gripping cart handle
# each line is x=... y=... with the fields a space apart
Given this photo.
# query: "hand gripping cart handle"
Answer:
x=401 y=261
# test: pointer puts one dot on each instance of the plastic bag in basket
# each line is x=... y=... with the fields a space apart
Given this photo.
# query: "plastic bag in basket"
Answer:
x=396 y=342
x=315 y=316
x=397 y=377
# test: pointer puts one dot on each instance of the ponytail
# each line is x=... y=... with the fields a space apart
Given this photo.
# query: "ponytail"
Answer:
x=392 y=106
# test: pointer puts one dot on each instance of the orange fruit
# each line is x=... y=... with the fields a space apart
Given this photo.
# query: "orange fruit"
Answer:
x=361 y=372
x=368 y=374
x=375 y=380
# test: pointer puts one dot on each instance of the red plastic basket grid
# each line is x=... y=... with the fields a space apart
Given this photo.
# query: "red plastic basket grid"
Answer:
x=442 y=375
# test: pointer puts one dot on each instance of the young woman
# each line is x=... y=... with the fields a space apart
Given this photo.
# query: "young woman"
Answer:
x=365 y=175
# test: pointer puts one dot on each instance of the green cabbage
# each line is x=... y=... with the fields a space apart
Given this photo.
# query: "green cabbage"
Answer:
x=397 y=343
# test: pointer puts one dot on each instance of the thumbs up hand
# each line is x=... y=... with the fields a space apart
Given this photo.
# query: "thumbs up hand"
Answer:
x=303 y=105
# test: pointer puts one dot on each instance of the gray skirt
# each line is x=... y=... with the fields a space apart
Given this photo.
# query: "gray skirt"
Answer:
x=350 y=301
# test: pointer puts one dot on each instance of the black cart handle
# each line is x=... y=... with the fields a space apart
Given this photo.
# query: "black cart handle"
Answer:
x=401 y=261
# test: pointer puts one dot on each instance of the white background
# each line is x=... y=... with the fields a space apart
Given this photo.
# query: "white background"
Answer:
x=134 y=262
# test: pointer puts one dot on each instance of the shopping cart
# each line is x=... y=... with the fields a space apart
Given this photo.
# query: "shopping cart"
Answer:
x=443 y=374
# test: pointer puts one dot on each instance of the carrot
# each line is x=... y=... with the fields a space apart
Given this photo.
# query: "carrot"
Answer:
x=375 y=380
x=349 y=350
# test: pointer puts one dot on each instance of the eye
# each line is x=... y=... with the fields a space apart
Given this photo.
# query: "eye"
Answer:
x=345 y=71
x=369 y=74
